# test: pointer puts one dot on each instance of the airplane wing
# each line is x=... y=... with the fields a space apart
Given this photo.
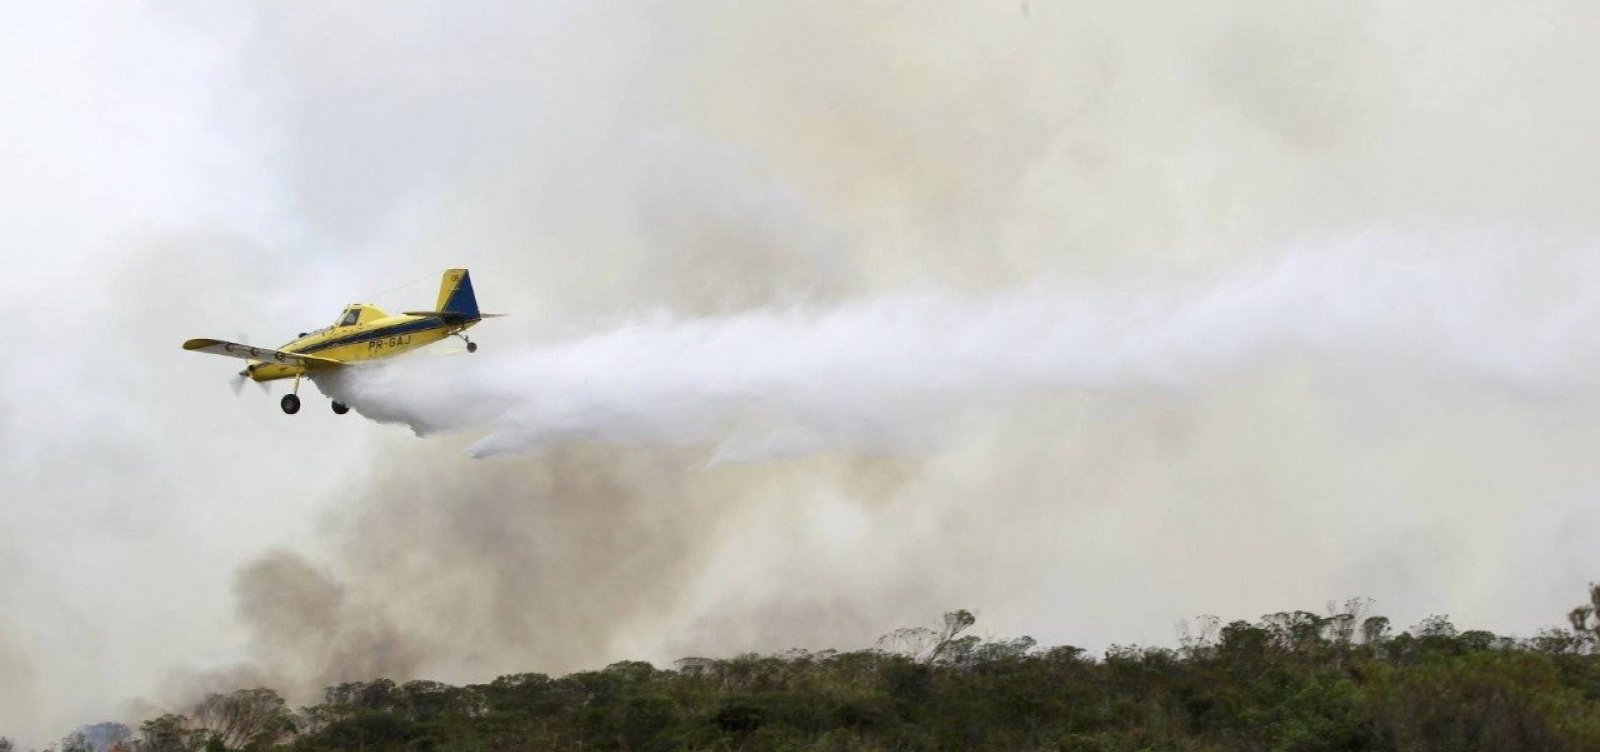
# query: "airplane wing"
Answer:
x=264 y=354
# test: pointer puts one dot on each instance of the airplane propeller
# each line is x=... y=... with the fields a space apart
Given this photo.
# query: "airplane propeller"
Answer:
x=237 y=382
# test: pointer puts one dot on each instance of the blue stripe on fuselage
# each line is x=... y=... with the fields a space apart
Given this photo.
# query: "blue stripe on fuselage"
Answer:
x=371 y=334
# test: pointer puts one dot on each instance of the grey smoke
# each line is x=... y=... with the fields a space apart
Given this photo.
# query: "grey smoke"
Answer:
x=1351 y=240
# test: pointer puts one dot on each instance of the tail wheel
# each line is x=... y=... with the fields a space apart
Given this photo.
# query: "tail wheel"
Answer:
x=340 y=408
x=472 y=347
x=290 y=404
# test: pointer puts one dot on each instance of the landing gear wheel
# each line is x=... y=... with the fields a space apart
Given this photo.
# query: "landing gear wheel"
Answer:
x=290 y=404
x=472 y=347
x=340 y=408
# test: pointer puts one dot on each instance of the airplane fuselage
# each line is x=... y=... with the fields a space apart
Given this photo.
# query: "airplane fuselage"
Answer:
x=379 y=337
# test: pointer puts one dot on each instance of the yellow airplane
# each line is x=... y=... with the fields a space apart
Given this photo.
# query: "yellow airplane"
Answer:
x=362 y=332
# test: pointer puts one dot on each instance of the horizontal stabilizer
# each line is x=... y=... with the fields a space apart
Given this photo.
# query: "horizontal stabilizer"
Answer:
x=452 y=315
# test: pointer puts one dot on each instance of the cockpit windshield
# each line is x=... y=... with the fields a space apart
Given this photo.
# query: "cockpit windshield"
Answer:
x=350 y=318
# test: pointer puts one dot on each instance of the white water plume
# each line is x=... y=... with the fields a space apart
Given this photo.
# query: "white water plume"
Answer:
x=887 y=373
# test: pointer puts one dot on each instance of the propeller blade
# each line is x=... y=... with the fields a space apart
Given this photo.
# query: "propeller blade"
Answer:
x=239 y=378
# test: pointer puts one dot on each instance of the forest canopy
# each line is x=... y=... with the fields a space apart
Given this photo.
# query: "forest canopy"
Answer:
x=1297 y=681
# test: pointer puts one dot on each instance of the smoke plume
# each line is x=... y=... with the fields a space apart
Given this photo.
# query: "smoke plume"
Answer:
x=826 y=318
x=758 y=480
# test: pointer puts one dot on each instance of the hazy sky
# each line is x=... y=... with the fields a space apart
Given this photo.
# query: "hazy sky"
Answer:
x=826 y=318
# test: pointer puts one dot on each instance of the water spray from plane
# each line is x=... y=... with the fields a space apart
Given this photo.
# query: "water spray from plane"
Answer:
x=890 y=373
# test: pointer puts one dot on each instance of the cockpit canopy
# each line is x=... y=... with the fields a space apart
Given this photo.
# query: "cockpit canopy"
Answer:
x=359 y=313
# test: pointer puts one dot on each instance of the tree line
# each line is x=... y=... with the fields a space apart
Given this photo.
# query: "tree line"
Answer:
x=1295 y=681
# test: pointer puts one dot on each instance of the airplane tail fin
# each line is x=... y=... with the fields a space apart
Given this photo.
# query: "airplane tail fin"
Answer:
x=455 y=295
x=456 y=303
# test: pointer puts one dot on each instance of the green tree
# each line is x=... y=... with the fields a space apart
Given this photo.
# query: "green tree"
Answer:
x=168 y=733
x=247 y=719
x=1374 y=629
x=1292 y=681
x=1585 y=619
